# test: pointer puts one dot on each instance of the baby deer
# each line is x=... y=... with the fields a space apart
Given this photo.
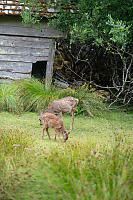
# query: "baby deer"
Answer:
x=49 y=120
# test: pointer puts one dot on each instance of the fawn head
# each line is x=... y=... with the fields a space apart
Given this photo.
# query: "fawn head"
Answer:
x=65 y=136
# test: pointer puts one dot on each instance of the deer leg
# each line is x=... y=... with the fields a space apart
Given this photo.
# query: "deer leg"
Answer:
x=55 y=137
x=60 y=115
x=43 y=133
x=58 y=134
x=73 y=117
x=48 y=133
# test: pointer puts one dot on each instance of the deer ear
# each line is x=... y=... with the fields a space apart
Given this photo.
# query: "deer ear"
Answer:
x=41 y=112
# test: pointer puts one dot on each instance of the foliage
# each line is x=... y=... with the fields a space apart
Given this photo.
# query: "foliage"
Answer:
x=29 y=15
x=31 y=95
x=89 y=20
x=119 y=31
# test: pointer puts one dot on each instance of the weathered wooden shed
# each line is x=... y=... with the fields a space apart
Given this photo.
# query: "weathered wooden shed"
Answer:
x=25 y=50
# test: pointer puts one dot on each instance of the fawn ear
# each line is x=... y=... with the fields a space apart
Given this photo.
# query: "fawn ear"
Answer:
x=41 y=112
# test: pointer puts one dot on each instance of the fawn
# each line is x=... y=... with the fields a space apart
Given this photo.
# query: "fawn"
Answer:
x=49 y=120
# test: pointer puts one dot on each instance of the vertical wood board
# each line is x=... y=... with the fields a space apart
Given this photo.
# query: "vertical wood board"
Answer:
x=49 y=67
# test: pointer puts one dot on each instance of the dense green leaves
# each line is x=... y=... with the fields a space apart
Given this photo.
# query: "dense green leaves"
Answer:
x=84 y=20
x=118 y=31
x=97 y=20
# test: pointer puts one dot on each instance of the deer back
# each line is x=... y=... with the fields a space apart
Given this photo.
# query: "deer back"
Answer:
x=64 y=105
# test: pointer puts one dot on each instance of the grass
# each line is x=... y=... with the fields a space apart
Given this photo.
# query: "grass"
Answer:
x=96 y=163
x=9 y=98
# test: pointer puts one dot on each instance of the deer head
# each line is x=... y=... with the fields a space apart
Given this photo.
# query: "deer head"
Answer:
x=65 y=136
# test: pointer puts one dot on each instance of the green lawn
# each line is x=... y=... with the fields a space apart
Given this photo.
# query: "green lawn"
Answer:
x=96 y=163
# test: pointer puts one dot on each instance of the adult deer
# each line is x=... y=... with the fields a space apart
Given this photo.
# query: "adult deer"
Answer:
x=49 y=120
x=64 y=105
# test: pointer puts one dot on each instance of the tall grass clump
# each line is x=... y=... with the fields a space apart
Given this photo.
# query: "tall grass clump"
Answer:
x=9 y=98
x=34 y=95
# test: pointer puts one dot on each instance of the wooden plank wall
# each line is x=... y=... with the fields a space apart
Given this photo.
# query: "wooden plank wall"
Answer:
x=20 y=46
x=18 y=53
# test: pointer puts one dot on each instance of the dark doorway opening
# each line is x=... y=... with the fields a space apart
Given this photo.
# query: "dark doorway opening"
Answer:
x=39 y=69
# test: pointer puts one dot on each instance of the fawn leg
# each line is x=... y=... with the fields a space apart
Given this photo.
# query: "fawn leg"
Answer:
x=48 y=133
x=43 y=133
x=58 y=134
x=55 y=137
